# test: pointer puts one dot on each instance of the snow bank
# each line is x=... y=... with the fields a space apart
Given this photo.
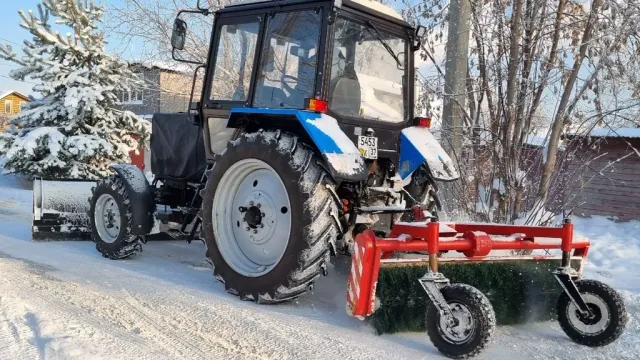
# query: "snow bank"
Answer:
x=614 y=246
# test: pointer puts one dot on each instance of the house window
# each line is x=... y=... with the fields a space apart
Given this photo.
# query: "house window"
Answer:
x=134 y=96
x=8 y=108
x=22 y=105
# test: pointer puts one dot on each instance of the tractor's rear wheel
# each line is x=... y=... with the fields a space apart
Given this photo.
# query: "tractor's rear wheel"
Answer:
x=267 y=219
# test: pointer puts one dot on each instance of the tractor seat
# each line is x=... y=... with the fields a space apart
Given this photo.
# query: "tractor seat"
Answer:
x=345 y=96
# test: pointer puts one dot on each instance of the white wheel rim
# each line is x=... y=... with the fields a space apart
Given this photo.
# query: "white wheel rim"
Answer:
x=252 y=242
x=107 y=218
x=464 y=327
x=588 y=327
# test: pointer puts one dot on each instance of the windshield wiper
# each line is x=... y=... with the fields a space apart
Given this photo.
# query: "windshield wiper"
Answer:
x=384 y=44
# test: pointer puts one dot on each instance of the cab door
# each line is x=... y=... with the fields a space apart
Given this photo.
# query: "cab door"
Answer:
x=234 y=58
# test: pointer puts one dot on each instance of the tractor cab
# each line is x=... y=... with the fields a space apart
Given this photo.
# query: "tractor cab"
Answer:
x=351 y=60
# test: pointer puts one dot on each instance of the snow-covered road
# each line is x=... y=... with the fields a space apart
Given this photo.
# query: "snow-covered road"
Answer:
x=62 y=300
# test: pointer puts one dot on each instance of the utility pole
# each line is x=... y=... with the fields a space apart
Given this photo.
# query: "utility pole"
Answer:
x=457 y=59
x=456 y=62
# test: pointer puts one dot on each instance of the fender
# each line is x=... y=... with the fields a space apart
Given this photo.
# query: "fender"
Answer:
x=418 y=146
x=140 y=196
x=341 y=156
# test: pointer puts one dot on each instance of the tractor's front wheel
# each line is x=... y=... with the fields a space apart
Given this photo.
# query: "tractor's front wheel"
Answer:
x=267 y=217
x=110 y=216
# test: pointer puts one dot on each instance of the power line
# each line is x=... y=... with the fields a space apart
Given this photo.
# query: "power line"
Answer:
x=24 y=81
x=9 y=41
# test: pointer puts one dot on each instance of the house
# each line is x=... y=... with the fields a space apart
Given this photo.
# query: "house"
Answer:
x=609 y=184
x=11 y=103
x=165 y=88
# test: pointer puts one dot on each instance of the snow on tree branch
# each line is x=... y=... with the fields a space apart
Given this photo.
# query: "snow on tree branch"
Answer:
x=74 y=131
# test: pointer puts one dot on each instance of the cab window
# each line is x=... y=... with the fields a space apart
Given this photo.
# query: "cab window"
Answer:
x=236 y=50
x=287 y=67
x=367 y=72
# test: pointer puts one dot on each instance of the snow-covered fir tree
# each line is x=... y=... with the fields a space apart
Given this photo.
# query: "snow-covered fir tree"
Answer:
x=74 y=131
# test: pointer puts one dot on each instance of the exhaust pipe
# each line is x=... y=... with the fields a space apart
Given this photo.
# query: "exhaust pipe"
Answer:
x=60 y=209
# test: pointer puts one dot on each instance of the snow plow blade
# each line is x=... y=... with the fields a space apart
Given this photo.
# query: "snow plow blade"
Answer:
x=60 y=209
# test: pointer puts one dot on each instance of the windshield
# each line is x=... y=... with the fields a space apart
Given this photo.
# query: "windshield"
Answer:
x=367 y=72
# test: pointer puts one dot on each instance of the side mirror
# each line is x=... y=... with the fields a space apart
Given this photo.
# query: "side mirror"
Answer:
x=203 y=8
x=179 y=34
x=420 y=33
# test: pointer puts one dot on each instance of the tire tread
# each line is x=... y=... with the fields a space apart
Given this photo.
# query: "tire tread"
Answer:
x=315 y=251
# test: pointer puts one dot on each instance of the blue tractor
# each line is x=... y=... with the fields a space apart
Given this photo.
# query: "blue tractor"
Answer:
x=304 y=135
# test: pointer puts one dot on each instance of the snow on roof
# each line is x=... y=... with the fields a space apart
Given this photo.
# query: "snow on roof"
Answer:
x=535 y=140
x=619 y=132
x=379 y=7
x=163 y=65
x=4 y=94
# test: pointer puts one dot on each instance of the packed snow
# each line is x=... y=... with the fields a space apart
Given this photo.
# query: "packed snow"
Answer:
x=62 y=300
x=346 y=164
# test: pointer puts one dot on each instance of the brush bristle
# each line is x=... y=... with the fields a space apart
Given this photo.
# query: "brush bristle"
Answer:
x=519 y=292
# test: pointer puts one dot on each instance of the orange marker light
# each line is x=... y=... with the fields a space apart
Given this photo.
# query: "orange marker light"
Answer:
x=317 y=105
x=422 y=122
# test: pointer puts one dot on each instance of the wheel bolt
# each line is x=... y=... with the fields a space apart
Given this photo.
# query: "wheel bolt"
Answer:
x=250 y=203
x=261 y=226
x=262 y=214
x=255 y=231
x=259 y=205
x=248 y=228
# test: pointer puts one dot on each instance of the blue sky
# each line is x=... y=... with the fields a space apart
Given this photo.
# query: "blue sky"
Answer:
x=10 y=30
x=11 y=33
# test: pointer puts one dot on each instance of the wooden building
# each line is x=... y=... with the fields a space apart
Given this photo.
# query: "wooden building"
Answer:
x=608 y=183
x=11 y=102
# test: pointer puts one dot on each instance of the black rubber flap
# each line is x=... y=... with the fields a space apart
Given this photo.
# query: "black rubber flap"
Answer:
x=177 y=148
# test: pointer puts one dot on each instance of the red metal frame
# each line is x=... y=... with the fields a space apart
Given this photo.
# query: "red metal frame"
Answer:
x=475 y=241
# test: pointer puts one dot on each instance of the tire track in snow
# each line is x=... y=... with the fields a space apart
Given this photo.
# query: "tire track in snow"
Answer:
x=254 y=331
x=14 y=333
x=60 y=298
x=187 y=323
x=168 y=337
x=190 y=324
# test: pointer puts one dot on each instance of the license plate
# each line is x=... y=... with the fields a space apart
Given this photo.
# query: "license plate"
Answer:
x=368 y=146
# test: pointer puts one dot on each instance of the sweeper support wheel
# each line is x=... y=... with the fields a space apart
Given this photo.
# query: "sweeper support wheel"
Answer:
x=605 y=321
x=473 y=322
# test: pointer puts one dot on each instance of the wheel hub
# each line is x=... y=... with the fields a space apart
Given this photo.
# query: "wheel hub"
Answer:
x=253 y=217
x=253 y=236
x=594 y=318
x=107 y=218
x=592 y=324
x=463 y=324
